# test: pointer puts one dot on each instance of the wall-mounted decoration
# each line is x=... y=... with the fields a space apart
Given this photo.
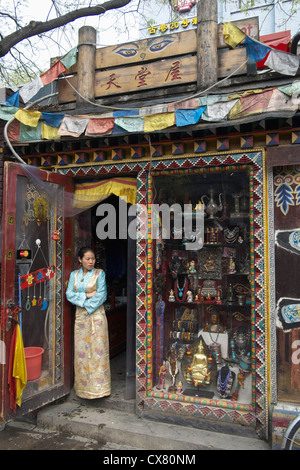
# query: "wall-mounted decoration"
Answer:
x=288 y=313
x=287 y=189
x=288 y=240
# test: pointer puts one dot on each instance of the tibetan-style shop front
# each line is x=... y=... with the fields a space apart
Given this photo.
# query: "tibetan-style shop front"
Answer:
x=201 y=313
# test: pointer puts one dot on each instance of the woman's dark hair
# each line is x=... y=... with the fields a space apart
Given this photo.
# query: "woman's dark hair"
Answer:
x=83 y=251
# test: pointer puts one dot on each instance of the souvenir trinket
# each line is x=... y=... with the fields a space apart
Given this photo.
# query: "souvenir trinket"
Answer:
x=231 y=298
x=240 y=206
x=231 y=266
x=240 y=384
x=162 y=376
x=171 y=296
x=212 y=235
x=40 y=208
x=212 y=208
x=242 y=341
x=192 y=267
x=180 y=288
x=173 y=368
x=55 y=236
x=189 y=296
x=225 y=382
x=199 y=365
x=209 y=289
x=179 y=388
x=210 y=263
x=216 y=353
x=232 y=347
x=231 y=235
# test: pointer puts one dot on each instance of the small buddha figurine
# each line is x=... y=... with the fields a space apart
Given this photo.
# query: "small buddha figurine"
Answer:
x=189 y=296
x=171 y=296
x=198 y=371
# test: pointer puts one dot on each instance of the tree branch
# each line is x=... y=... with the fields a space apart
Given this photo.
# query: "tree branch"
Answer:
x=37 y=27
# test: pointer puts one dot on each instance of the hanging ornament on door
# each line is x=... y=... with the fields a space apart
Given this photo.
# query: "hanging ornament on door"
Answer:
x=34 y=301
x=44 y=303
x=37 y=277
x=40 y=207
x=55 y=236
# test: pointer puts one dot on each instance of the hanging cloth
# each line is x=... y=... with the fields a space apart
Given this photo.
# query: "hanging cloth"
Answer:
x=17 y=374
x=88 y=194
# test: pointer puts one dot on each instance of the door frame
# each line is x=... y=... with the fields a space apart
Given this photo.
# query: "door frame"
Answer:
x=62 y=388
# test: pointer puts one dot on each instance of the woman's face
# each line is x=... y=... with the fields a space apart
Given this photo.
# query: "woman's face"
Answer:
x=88 y=261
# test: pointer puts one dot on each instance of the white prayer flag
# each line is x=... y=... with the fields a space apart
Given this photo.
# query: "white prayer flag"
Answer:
x=218 y=111
x=30 y=89
x=73 y=126
x=283 y=62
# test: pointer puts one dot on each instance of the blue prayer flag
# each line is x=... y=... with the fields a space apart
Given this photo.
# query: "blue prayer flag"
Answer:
x=256 y=50
x=185 y=117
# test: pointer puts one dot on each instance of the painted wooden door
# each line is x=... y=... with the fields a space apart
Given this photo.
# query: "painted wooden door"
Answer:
x=36 y=262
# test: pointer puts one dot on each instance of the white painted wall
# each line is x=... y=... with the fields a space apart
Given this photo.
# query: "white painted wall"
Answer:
x=271 y=18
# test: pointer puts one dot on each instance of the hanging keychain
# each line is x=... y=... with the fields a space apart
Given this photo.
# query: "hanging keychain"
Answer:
x=34 y=301
x=44 y=303
x=40 y=301
x=28 y=304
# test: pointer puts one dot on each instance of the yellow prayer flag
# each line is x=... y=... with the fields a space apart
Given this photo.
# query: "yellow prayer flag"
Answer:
x=232 y=34
x=236 y=111
x=49 y=132
x=29 y=118
x=155 y=122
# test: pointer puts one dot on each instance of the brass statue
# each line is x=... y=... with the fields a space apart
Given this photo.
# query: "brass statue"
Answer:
x=198 y=368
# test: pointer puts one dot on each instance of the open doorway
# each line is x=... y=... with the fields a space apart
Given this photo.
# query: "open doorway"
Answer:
x=116 y=255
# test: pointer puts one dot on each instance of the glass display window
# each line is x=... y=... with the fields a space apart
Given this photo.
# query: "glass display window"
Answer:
x=38 y=285
x=203 y=289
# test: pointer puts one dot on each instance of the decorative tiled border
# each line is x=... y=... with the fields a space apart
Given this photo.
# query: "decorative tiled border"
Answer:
x=214 y=402
x=256 y=414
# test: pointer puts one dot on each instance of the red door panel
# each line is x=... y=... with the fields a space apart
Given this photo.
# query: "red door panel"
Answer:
x=36 y=263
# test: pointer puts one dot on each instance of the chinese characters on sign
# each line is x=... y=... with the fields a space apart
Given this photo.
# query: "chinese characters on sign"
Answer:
x=141 y=76
x=174 y=72
x=145 y=77
x=175 y=25
x=111 y=81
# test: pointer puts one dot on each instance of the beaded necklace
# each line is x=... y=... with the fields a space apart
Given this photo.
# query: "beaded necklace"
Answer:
x=180 y=292
x=224 y=386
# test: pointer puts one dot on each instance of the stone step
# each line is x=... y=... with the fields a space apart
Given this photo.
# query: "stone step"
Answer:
x=114 y=426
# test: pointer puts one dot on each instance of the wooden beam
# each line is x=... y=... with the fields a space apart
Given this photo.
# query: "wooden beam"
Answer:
x=86 y=65
x=207 y=43
x=153 y=75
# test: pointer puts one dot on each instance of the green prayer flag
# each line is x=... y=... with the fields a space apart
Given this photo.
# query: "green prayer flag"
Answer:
x=7 y=112
x=70 y=58
x=28 y=133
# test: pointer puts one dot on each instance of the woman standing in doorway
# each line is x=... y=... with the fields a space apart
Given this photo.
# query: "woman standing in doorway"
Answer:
x=87 y=290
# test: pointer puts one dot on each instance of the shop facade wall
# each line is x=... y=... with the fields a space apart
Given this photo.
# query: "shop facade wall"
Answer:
x=283 y=216
x=202 y=148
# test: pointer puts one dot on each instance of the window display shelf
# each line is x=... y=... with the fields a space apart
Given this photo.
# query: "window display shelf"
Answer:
x=203 y=345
